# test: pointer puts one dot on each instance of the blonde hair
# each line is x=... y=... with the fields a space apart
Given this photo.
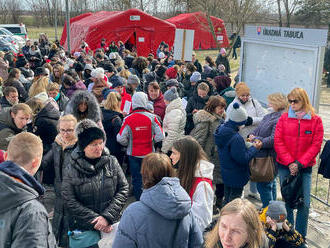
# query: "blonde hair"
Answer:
x=301 y=94
x=23 y=148
x=125 y=73
x=68 y=118
x=112 y=101
x=250 y=216
x=36 y=105
x=279 y=101
x=21 y=107
x=38 y=86
x=242 y=88
x=203 y=86
x=52 y=87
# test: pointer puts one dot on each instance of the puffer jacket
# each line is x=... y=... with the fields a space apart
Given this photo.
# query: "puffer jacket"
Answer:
x=205 y=126
x=24 y=220
x=159 y=105
x=90 y=190
x=8 y=128
x=202 y=199
x=162 y=218
x=234 y=156
x=253 y=109
x=298 y=140
x=173 y=124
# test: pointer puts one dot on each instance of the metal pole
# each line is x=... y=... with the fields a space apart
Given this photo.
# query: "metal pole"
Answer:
x=55 y=19
x=68 y=25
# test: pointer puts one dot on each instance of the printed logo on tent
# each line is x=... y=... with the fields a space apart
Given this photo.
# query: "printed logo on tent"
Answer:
x=220 y=38
x=259 y=30
x=141 y=39
x=135 y=18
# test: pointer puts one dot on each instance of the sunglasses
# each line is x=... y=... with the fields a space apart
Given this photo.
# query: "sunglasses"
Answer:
x=295 y=101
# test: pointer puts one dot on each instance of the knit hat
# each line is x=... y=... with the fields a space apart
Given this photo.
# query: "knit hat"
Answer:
x=171 y=94
x=88 y=67
x=277 y=211
x=98 y=73
x=172 y=82
x=106 y=92
x=133 y=79
x=116 y=81
x=171 y=73
x=222 y=51
x=207 y=69
x=112 y=55
x=238 y=115
x=195 y=77
x=241 y=89
x=149 y=77
x=161 y=70
x=87 y=131
x=222 y=82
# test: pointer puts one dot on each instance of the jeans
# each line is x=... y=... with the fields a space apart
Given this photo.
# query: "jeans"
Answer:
x=267 y=192
x=301 y=223
x=232 y=193
x=135 y=167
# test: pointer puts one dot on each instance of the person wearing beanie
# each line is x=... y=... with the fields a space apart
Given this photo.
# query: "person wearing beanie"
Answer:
x=126 y=99
x=91 y=170
x=195 y=77
x=139 y=131
x=174 y=120
x=133 y=84
x=222 y=59
x=171 y=73
x=255 y=114
x=279 y=231
x=234 y=155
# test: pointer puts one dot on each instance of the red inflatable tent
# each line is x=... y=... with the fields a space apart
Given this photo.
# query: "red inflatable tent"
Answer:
x=133 y=25
x=203 y=35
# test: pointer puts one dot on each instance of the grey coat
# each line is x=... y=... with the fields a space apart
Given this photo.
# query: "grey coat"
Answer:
x=205 y=126
x=23 y=219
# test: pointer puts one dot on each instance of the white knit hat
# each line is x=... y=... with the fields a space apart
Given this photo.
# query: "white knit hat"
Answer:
x=238 y=115
x=98 y=73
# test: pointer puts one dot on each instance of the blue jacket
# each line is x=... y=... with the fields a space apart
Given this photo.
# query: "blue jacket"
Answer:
x=233 y=155
x=162 y=218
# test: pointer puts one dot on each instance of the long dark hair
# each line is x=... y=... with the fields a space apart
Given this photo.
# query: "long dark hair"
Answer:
x=191 y=153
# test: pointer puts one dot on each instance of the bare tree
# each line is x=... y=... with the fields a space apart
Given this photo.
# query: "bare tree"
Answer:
x=290 y=6
x=3 y=11
x=14 y=9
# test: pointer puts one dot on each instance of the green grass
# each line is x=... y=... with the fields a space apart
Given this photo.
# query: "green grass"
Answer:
x=33 y=32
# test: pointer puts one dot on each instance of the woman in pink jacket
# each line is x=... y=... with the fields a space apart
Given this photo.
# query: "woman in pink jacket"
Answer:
x=298 y=140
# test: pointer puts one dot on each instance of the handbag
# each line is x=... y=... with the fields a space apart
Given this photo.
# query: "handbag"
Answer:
x=291 y=190
x=262 y=169
x=83 y=239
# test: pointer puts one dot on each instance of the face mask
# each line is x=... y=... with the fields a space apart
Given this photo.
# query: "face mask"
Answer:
x=279 y=225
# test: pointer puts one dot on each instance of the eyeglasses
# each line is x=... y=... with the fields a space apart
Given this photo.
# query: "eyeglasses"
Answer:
x=66 y=130
x=295 y=101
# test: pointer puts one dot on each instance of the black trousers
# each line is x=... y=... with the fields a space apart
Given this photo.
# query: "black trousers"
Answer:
x=232 y=193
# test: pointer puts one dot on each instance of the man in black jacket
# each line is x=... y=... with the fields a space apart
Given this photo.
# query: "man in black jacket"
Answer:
x=23 y=219
x=10 y=97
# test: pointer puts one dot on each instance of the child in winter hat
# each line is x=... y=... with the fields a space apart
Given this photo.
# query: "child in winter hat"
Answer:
x=238 y=115
x=171 y=94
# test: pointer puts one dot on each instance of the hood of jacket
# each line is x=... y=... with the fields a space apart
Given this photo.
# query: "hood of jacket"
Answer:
x=16 y=193
x=94 y=112
x=168 y=199
x=224 y=133
x=6 y=121
x=139 y=100
x=204 y=116
x=205 y=169
x=228 y=92
x=175 y=104
x=49 y=112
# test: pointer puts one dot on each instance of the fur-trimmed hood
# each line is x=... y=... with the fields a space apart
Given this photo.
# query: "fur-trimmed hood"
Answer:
x=94 y=111
x=204 y=116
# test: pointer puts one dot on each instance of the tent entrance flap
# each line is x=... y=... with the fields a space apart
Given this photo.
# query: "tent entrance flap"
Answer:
x=130 y=44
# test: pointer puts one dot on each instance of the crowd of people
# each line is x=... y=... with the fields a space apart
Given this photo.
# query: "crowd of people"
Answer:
x=86 y=130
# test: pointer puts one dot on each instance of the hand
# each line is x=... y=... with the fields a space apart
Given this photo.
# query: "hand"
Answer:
x=195 y=111
x=100 y=223
x=272 y=223
x=285 y=226
x=249 y=121
x=293 y=169
x=257 y=144
x=108 y=229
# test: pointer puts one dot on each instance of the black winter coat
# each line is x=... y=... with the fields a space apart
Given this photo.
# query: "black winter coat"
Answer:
x=53 y=164
x=112 y=121
x=62 y=101
x=91 y=190
x=45 y=125
x=195 y=102
x=4 y=103
x=223 y=60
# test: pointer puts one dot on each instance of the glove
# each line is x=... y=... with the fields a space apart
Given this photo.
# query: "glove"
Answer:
x=249 y=121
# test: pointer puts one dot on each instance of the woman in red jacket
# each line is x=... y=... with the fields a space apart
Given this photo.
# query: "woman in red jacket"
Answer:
x=298 y=140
